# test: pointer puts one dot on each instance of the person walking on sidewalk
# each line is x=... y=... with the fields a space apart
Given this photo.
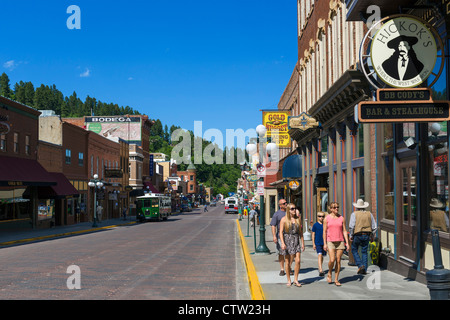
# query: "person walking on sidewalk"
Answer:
x=275 y=226
x=361 y=227
x=252 y=217
x=317 y=240
x=335 y=239
x=290 y=237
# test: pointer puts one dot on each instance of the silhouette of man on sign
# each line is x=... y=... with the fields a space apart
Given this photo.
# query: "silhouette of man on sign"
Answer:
x=403 y=63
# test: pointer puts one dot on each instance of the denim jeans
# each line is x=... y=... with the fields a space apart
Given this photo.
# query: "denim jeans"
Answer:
x=363 y=242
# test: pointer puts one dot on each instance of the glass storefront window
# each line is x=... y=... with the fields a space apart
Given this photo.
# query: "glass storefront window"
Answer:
x=438 y=172
x=12 y=205
x=386 y=170
x=409 y=130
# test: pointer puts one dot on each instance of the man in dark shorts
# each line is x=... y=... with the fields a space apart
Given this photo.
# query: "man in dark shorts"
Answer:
x=275 y=225
x=317 y=239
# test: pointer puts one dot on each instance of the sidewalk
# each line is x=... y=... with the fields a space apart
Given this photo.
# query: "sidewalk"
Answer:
x=17 y=237
x=381 y=285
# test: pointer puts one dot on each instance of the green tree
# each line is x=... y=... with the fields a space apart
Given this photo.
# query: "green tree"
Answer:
x=5 y=89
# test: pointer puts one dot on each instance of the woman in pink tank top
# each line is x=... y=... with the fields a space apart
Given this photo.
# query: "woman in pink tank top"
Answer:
x=335 y=240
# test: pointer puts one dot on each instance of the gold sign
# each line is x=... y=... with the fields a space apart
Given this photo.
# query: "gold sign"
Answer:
x=293 y=185
x=303 y=122
x=276 y=123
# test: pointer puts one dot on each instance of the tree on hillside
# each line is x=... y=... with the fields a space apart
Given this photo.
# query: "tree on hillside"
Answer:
x=5 y=89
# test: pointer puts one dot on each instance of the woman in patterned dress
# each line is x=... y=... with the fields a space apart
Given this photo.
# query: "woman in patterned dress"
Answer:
x=290 y=236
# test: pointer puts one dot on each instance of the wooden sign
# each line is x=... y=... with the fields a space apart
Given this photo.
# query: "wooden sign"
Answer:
x=403 y=111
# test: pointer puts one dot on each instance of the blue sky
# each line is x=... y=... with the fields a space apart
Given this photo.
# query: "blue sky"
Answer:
x=219 y=62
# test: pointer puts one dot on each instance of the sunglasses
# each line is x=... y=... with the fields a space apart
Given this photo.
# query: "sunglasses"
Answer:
x=282 y=204
x=320 y=216
x=291 y=208
x=334 y=207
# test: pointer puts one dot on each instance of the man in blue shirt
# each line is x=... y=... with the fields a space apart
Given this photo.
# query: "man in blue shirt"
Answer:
x=317 y=240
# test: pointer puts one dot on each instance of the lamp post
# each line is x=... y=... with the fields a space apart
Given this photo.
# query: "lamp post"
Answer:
x=251 y=149
x=95 y=183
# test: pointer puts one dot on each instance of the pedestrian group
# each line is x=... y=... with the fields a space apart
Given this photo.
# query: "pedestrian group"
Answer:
x=329 y=236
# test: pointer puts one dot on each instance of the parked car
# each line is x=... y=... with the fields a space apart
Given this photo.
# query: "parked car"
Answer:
x=185 y=207
x=213 y=204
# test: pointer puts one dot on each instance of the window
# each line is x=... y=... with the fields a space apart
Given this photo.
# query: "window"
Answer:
x=191 y=187
x=191 y=178
x=68 y=156
x=27 y=145
x=3 y=142
x=358 y=143
x=324 y=151
x=16 y=142
x=80 y=159
x=438 y=183
x=386 y=167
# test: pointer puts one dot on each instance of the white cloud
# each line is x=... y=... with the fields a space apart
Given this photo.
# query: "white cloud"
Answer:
x=86 y=74
x=130 y=78
x=10 y=65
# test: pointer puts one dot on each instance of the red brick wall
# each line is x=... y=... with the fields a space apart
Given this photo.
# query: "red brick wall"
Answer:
x=24 y=121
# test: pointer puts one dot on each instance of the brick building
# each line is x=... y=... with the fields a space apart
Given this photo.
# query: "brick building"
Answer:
x=22 y=177
x=344 y=159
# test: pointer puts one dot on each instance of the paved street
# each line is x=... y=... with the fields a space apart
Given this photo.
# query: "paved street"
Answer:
x=191 y=256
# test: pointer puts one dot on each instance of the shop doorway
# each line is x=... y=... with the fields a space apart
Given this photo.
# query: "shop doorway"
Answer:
x=407 y=210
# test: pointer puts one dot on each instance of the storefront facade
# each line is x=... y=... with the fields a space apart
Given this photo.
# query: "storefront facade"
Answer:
x=22 y=177
x=400 y=167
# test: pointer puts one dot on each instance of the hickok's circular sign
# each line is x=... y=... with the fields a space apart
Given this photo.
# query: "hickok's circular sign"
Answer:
x=403 y=52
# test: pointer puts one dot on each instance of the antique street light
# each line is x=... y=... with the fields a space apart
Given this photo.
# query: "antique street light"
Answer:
x=251 y=149
x=95 y=183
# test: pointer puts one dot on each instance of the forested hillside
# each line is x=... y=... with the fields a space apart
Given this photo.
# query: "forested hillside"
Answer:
x=222 y=177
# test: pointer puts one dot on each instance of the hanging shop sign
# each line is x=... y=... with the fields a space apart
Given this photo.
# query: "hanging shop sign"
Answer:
x=276 y=123
x=413 y=94
x=303 y=122
x=402 y=53
x=403 y=111
x=294 y=184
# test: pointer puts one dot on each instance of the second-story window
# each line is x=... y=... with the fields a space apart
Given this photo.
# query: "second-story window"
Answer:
x=3 y=142
x=27 y=145
x=80 y=159
x=68 y=156
x=16 y=142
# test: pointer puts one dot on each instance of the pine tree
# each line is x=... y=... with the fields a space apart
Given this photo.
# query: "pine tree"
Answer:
x=5 y=89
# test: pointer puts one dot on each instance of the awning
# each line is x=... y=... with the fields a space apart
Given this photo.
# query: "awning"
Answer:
x=292 y=167
x=23 y=172
x=151 y=187
x=62 y=189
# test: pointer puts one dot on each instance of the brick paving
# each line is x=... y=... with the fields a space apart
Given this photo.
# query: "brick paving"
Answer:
x=194 y=256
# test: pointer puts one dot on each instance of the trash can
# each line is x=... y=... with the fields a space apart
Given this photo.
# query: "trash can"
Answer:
x=438 y=279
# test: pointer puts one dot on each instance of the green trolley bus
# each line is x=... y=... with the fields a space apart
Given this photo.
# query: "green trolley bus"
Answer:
x=153 y=206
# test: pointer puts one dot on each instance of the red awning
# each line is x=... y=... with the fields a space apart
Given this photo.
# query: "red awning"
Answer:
x=23 y=172
x=151 y=187
x=62 y=189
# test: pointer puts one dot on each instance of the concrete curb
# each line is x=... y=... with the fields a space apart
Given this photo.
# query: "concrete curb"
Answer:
x=59 y=235
x=256 y=290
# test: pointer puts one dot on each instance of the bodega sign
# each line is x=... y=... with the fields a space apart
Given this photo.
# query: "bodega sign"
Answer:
x=403 y=52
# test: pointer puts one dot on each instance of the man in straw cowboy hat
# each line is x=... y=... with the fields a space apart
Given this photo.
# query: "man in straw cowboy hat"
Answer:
x=439 y=220
x=361 y=227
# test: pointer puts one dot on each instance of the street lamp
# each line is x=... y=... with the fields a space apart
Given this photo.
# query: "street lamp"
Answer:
x=251 y=149
x=95 y=183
